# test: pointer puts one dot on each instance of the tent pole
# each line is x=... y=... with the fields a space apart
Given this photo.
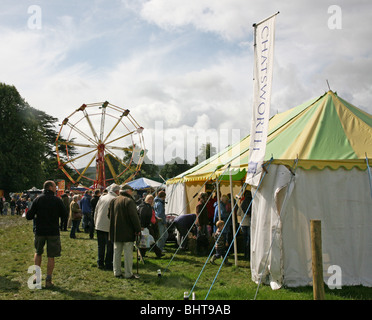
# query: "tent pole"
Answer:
x=218 y=200
x=233 y=220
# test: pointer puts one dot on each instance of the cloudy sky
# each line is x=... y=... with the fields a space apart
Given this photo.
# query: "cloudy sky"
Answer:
x=183 y=67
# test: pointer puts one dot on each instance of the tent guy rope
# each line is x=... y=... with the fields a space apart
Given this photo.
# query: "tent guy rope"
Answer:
x=228 y=250
x=217 y=182
x=166 y=230
x=243 y=188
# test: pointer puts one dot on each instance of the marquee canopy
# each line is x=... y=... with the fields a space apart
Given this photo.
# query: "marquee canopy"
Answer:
x=342 y=140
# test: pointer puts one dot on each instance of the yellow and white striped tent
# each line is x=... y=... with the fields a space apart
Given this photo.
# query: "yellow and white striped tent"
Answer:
x=331 y=142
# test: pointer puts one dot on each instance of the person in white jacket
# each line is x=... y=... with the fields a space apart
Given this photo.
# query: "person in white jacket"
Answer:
x=102 y=225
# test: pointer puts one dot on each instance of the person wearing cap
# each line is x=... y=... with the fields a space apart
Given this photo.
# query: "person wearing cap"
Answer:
x=125 y=225
x=102 y=226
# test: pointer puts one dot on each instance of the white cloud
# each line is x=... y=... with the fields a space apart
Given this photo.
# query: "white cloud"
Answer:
x=203 y=122
x=223 y=17
x=187 y=63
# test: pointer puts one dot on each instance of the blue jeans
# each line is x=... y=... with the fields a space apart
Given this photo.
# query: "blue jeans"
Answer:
x=163 y=235
x=74 y=227
x=86 y=221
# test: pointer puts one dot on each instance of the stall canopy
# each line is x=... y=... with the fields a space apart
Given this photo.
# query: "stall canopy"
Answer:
x=79 y=187
x=34 y=189
x=144 y=183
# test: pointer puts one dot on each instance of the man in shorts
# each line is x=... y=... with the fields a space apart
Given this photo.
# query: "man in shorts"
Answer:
x=46 y=210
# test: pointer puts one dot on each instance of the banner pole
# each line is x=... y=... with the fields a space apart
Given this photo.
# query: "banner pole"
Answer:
x=262 y=21
x=218 y=201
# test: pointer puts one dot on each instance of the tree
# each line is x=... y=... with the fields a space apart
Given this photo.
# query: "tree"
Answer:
x=46 y=127
x=173 y=168
x=27 y=138
x=206 y=151
x=148 y=169
x=21 y=144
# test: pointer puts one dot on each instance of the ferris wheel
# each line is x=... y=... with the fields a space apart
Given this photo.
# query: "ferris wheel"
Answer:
x=105 y=133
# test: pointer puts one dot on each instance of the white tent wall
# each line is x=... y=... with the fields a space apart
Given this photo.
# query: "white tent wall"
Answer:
x=185 y=200
x=175 y=201
x=266 y=254
x=341 y=200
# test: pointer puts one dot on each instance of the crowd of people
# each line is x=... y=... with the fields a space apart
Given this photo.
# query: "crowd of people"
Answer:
x=118 y=221
x=18 y=205
x=115 y=216
x=212 y=220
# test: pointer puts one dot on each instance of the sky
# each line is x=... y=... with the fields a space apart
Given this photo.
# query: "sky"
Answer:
x=183 y=68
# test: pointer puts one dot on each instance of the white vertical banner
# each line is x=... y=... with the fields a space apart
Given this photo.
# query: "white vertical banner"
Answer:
x=264 y=34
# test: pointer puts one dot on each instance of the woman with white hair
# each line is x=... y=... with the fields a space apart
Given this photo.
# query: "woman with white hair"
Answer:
x=76 y=215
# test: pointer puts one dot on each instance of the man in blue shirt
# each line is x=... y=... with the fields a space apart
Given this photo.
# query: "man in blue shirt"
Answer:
x=159 y=208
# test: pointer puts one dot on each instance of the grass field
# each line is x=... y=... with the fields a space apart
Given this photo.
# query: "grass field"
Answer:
x=76 y=276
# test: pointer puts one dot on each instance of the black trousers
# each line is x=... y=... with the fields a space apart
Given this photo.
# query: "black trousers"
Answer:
x=105 y=250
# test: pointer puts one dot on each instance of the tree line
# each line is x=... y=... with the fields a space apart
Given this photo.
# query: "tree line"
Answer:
x=27 y=143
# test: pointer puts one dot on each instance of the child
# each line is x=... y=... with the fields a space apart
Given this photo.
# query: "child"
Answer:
x=220 y=245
